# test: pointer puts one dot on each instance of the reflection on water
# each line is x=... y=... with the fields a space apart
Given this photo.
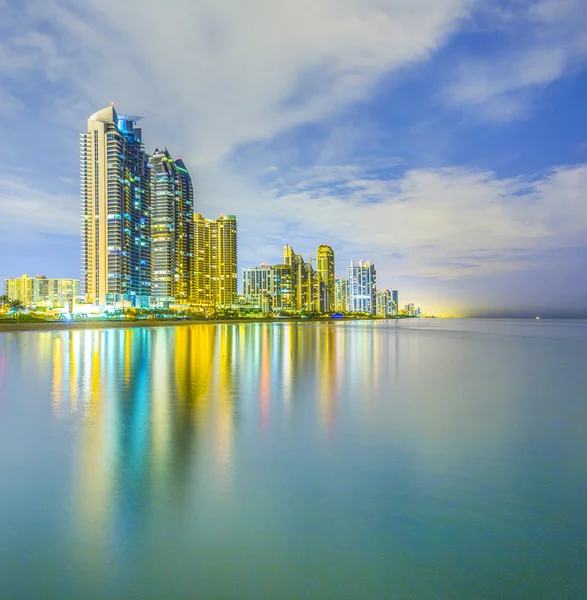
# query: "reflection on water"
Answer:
x=329 y=460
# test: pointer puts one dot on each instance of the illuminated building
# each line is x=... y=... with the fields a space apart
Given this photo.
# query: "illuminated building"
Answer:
x=20 y=289
x=341 y=295
x=273 y=282
x=41 y=291
x=116 y=211
x=395 y=299
x=215 y=262
x=362 y=286
x=325 y=277
x=384 y=303
x=304 y=281
x=172 y=225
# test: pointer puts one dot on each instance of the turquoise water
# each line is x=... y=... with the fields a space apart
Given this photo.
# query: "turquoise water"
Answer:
x=419 y=459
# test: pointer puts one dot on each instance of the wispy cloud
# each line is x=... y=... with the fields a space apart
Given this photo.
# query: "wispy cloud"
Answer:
x=447 y=223
x=540 y=43
x=232 y=72
x=27 y=210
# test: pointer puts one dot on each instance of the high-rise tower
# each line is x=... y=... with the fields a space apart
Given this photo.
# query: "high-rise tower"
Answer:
x=116 y=211
x=362 y=287
x=215 y=261
x=303 y=280
x=172 y=228
x=325 y=269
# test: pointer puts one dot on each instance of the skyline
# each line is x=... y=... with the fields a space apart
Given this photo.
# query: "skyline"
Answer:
x=427 y=138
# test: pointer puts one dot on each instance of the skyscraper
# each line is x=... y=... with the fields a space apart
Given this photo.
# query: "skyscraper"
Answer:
x=362 y=287
x=395 y=300
x=172 y=228
x=304 y=281
x=384 y=303
x=341 y=295
x=116 y=211
x=215 y=261
x=325 y=276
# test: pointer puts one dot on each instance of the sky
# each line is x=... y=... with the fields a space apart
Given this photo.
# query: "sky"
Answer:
x=445 y=140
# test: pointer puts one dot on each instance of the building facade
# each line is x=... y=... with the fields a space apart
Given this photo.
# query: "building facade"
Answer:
x=384 y=303
x=341 y=295
x=215 y=256
x=41 y=291
x=325 y=278
x=269 y=284
x=305 y=283
x=362 y=287
x=172 y=229
x=116 y=211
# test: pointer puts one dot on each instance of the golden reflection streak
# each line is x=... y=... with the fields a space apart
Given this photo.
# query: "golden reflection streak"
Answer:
x=73 y=349
x=224 y=413
x=327 y=379
x=57 y=374
x=126 y=358
x=287 y=360
x=264 y=378
x=96 y=473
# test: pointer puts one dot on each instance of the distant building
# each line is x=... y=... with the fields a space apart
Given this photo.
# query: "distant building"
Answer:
x=273 y=282
x=341 y=295
x=172 y=227
x=362 y=286
x=325 y=278
x=395 y=299
x=40 y=291
x=215 y=256
x=384 y=303
x=116 y=211
x=305 y=284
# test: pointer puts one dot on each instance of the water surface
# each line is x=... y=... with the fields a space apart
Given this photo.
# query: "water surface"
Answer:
x=416 y=459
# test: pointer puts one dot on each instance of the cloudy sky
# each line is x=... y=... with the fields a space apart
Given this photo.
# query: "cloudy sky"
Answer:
x=446 y=140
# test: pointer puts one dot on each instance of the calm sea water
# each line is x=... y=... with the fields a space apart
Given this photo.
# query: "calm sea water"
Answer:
x=421 y=459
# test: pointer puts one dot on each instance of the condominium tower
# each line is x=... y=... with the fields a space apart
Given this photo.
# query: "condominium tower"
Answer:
x=116 y=211
x=215 y=259
x=384 y=303
x=303 y=281
x=269 y=282
x=362 y=287
x=325 y=272
x=341 y=295
x=172 y=228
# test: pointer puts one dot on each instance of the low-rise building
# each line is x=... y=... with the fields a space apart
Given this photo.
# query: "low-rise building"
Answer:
x=273 y=282
x=41 y=291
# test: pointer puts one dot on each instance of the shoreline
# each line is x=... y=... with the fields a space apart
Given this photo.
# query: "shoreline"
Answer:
x=89 y=325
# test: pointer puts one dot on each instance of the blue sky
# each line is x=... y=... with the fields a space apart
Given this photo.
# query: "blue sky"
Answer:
x=446 y=140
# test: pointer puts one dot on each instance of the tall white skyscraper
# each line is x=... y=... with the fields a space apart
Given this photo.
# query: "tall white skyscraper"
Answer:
x=362 y=287
x=116 y=210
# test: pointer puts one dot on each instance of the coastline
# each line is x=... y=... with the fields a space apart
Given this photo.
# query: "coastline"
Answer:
x=146 y=323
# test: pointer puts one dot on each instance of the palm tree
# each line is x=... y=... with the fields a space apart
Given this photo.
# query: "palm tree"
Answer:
x=16 y=306
x=4 y=300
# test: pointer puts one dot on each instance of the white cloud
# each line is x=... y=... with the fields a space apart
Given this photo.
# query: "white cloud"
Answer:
x=26 y=211
x=547 y=40
x=450 y=222
x=211 y=75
